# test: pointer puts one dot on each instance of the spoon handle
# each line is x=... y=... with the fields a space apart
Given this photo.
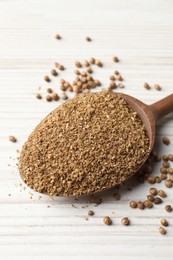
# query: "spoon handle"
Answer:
x=162 y=107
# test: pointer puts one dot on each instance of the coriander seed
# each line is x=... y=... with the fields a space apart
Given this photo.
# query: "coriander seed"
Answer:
x=166 y=164
x=48 y=98
x=151 y=179
x=168 y=208
x=112 y=77
x=162 y=193
x=163 y=170
x=157 y=179
x=49 y=90
x=157 y=87
x=54 y=72
x=148 y=204
x=92 y=60
x=38 y=96
x=58 y=37
x=133 y=204
x=107 y=220
x=150 y=198
x=165 y=157
x=147 y=86
x=170 y=157
x=125 y=221
x=47 y=79
x=55 y=96
x=88 y=39
x=157 y=200
x=168 y=183
x=90 y=213
x=78 y=64
x=115 y=59
x=116 y=196
x=12 y=138
x=170 y=170
x=153 y=191
x=166 y=140
x=162 y=230
x=164 y=222
x=140 y=205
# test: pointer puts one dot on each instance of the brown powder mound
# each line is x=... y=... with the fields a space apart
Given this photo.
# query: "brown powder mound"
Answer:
x=87 y=144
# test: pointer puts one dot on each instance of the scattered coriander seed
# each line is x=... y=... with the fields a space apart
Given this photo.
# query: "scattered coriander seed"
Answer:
x=70 y=88
x=112 y=85
x=49 y=90
x=162 y=230
x=120 y=85
x=157 y=87
x=116 y=196
x=148 y=204
x=48 y=98
x=115 y=59
x=168 y=183
x=165 y=157
x=86 y=63
x=92 y=60
x=162 y=193
x=63 y=96
x=97 y=83
x=97 y=201
x=89 y=70
x=90 y=213
x=55 y=96
x=170 y=170
x=157 y=158
x=47 y=79
x=58 y=37
x=98 y=63
x=164 y=222
x=78 y=64
x=125 y=221
x=163 y=176
x=112 y=77
x=166 y=140
x=77 y=72
x=38 y=96
x=170 y=157
x=88 y=39
x=157 y=179
x=54 y=72
x=140 y=205
x=116 y=72
x=168 y=208
x=151 y=179
x=147 y=86
x=107 y=220
x=163 y=170
x=157 y=200
x=61 y=67
x=86 y=91
x=150 y=198
x=119 y=77
x=133 y=204
x=12 y=138
x=171 y=178
x=166 y=164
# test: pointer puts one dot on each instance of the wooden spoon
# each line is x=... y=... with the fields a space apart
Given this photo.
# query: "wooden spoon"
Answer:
x=150 y=114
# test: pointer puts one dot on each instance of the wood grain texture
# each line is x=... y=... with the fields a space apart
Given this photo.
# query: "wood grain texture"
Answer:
x=141 y=34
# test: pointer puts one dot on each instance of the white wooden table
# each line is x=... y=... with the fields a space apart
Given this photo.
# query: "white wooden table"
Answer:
x=141 y=34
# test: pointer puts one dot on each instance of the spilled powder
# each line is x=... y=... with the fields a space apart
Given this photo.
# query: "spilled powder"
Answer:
x=88 y=144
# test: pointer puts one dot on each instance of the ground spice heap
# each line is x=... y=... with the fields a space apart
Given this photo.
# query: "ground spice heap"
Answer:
x=89 y=143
